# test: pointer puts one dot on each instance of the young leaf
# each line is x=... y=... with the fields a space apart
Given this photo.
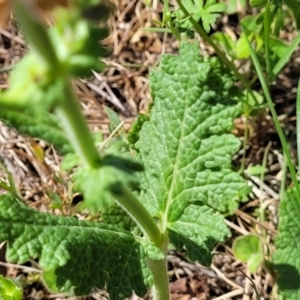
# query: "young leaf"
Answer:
x=185 y=148
x=286 y=257
x=207 y=13
x=249 y=249
x=9 y=290
x=114 y=119
x=95 y=183
x=76 y=256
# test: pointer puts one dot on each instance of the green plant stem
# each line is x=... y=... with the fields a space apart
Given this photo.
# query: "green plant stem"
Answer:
x=267 y=24
x=284 y=59
x=76 y=128
x=262 y=176
x=168 y=20
x=275 y=118
x=150 y=229
x=138 y=213
x=160 y=279
x=36 y=33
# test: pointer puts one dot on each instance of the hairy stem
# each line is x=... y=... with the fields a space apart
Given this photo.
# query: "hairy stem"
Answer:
x=138 y=213
x=160 y=279
x=76 y=128
x=36 y=33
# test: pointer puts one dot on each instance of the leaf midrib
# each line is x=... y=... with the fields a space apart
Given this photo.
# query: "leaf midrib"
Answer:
x=164 y=223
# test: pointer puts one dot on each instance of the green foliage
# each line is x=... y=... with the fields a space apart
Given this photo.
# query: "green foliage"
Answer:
x=286 y=256
x=206 y=11
x=185 y=148
x=258 y=3
x=114 y=120
x=76 y=256
x=294 y=6
x=249 y=249
x=197 y=230
x=134 y=133
x=234 y=6
x=78 y=43
x=96 y=183
x=9 y=290
x=252 y=26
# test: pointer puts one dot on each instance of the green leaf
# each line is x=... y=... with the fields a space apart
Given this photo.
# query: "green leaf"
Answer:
x=258 y=3
x=211 y=12
x=249 y=249
x=278 y=47
x=115 y=215
x=225 y=41
x=114 y=119
x=256 y=170
x=9 y=290
x=207 y=13
x=286 y=257
x=118 y=143
x=76 y=256
x=241 y=48
x=78 y=42
x=250 y=25
x=186 y=147
x=134 y=133
x=235 y=6
x=198 y=229
x=95 y=183
x=294 y=6
x=69 y=161
x=44 y=126
x=31 y=84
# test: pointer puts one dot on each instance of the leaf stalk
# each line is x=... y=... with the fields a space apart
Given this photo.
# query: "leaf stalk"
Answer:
x=138 y=213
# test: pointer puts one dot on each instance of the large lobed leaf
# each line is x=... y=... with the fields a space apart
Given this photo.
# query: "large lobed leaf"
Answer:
x=286 y=257
x=75 y=255
x=186 y=148
x=198 y=229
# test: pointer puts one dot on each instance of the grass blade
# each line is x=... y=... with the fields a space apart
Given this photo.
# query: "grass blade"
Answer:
x=275 y=117
x=285 y=58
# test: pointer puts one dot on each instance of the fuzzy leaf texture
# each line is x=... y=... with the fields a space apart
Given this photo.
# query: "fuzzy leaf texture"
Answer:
x=96 y=183
x=76 y=256
x=198 y=229
x=286 y=257
x=187 y=150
